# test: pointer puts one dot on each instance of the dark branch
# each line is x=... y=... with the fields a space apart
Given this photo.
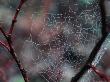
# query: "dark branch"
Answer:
x=100 y=73
x=9 y=41
x=15 y=16
x=97 y=47
x=4 y=45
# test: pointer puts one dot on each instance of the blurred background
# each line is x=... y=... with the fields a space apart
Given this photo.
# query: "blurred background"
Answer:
x=53 y=39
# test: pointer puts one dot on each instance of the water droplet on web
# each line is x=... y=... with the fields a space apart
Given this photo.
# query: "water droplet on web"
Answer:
x=65 y=52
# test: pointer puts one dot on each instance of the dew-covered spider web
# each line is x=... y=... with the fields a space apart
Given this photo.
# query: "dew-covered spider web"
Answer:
x=61 y=40
x=55 y=37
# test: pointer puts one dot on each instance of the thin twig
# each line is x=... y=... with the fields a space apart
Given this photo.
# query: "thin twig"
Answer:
x=12 y=52
x=89 y=61
x=97 y=47
x=9 y=41
x=100 y=73
x=3 y=32
x=15 y=16
x=4 y=45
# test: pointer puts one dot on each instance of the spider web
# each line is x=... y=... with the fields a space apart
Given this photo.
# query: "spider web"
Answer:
x=67 y=52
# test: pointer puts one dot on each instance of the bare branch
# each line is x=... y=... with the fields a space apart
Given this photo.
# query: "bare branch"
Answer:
x=12 y=52
x=14 y=20
x=96 y=48
x=4 y=45
x=9 y=41
x=100 y=73
x=3 y=32
x=90 y=60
